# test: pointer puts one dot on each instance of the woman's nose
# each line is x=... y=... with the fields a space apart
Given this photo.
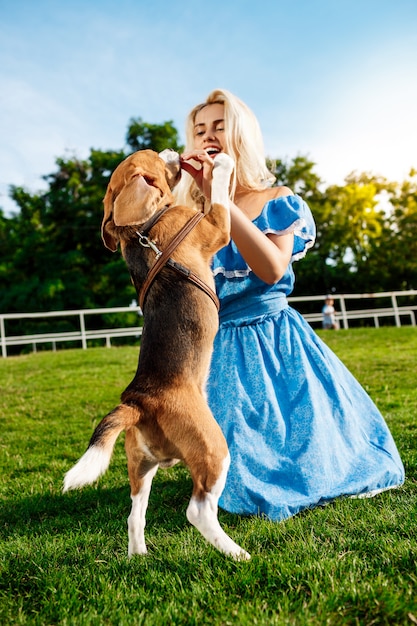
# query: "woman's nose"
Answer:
x=209 y=134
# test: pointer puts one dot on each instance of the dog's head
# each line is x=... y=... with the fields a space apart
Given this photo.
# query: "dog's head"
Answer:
x=139 y=186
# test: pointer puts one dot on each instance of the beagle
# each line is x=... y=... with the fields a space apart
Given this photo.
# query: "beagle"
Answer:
x=164 y=410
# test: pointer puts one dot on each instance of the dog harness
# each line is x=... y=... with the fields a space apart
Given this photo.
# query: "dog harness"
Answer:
x=163 y=258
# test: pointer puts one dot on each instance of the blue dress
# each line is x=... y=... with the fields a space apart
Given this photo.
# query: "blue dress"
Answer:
x=300 y=429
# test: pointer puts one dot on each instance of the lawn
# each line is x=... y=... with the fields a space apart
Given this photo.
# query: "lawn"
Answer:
x=63 y=558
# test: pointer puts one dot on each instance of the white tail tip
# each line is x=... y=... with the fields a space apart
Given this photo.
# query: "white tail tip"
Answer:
x=88 y=469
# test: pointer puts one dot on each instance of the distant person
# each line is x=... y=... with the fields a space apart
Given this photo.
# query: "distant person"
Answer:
x=301 y=430
x=329 y=315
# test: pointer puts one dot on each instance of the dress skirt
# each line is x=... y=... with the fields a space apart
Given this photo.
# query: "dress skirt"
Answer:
x=301 y=430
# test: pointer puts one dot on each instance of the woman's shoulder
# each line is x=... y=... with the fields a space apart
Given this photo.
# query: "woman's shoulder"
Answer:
x=252 y=203
x=278 y=192
x=281 y=202
x=285 y=213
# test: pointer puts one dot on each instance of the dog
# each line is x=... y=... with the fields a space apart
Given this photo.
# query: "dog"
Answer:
x=164 y=410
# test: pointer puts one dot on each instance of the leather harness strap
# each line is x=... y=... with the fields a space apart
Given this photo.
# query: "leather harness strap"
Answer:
x=163 y=258
x=146 y=227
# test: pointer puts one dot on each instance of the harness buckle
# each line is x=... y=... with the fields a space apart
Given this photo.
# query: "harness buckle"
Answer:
x=145 y=242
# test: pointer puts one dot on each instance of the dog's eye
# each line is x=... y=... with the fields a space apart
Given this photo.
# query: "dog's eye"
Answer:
x=149 y=180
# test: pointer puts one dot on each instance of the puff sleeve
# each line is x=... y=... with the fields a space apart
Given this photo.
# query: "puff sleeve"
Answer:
x=289 y=214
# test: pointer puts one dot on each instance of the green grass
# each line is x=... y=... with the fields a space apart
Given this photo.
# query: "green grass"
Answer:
x=63 y=557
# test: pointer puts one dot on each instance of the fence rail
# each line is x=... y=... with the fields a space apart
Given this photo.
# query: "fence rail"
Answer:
x=82 y=335
x=400 y=314
x=396 y=311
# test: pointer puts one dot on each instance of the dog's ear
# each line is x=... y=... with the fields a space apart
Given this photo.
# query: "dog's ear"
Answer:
x=172 y=166
x=109 y=236
x=127 y=205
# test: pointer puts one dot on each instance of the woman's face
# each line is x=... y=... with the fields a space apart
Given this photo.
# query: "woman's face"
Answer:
x=209 y=131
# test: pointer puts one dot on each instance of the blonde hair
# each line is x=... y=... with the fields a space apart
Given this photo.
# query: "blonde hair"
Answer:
x=243 y=142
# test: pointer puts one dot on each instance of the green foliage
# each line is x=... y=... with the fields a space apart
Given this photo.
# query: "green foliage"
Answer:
x=63 y=557
x=57 y=260
x=401 y=244
x=158 y=137
x=53 y=257
x=362 y=245
x=297 y=174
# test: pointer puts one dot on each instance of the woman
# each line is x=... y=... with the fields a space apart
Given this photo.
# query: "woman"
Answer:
x=300 y=429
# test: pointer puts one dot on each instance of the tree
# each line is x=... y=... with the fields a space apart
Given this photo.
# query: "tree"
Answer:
x=398 y=249
x=54 y=258
x=297 y=174
x=141 y=136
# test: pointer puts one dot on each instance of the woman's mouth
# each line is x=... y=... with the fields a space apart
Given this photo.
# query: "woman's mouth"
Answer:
x=212 y=151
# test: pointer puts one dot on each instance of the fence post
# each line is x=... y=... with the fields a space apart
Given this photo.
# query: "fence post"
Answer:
x=395 y=307
x=3 y=337
x=343 y=311
x=82 y=328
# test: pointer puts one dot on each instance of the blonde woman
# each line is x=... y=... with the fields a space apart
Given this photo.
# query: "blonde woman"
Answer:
x=301 y=430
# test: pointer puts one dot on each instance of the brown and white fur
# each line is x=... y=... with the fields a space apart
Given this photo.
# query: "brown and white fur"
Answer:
x=164 y=409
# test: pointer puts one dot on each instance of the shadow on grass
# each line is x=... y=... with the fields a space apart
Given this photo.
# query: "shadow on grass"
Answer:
x=96 y=506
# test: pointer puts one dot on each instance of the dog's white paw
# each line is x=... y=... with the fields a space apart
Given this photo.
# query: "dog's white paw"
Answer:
x=225 y=162
x=172 y=166
x=222 y=171
x=170 y=156
x=241 y=556
x=136 y=548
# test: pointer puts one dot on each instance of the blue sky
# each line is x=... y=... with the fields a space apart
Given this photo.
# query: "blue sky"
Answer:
x=332 y=79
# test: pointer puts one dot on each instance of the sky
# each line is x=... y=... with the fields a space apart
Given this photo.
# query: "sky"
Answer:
x=334 y=80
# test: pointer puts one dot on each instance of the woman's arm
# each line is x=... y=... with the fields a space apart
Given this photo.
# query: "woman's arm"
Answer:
x=268 y=256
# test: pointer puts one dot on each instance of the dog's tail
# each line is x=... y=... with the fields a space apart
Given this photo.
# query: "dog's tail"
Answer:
x=96 y=459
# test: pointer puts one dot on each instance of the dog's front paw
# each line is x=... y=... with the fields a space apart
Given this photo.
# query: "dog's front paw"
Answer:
x=172 y=166
x=170 y=156
x=225 y=162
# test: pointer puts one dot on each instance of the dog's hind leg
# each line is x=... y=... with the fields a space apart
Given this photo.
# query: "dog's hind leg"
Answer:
x=137 y=519
x=202 y=513
x=200 y=443
x=141 y=472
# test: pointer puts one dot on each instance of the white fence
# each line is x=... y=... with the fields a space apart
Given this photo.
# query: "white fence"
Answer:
x=82 y=335
x=394 y=312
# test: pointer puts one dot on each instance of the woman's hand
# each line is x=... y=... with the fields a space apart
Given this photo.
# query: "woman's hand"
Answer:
x=267 y=255
x=202 y=175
